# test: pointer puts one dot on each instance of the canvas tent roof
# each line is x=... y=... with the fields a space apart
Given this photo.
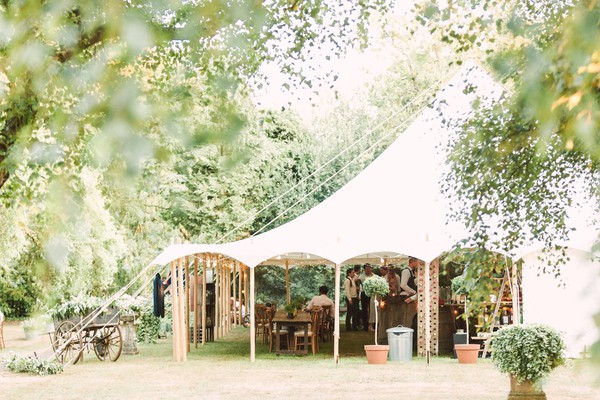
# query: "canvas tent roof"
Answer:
x=408 y=216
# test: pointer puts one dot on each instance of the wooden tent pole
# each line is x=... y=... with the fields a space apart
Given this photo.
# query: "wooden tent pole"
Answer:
x=235 y=314
x=195 y=300
x=182 y=327
x=240 y=290
x=227 y=297
x=187 y=303
x=336 y=331
x=288 y=297
x=217 y=296
x=427 y=314
x=204 y=298
x=247 y=297
x=252 y=327
x=174 y=308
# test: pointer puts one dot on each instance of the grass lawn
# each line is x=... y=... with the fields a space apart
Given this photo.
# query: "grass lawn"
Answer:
x=222 y=370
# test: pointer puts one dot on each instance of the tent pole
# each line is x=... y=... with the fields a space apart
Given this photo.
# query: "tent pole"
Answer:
x=240 y=290
x=174 y=312
x=181 y=301
x=336 y=329
x=427 y=314
x=217 y=295
x=252 y=327
x=204 y=298
x=187 y=303
x=234 y=296
x=287 y=282
x=229 y=308
x=195 y=300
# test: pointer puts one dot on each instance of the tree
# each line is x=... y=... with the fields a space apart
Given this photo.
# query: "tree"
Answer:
x=522 y=161
x=97 y=100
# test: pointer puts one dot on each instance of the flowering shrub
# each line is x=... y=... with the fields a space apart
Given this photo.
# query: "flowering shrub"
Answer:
x=376 y=285
x=528 y=352
x=132 y=305
x=18 y=363
x=82 y=304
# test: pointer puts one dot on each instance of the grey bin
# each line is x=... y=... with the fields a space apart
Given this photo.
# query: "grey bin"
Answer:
x=401 y=343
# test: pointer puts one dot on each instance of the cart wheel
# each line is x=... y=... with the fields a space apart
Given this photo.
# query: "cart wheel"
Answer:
x=108 y=343
x=67 y=343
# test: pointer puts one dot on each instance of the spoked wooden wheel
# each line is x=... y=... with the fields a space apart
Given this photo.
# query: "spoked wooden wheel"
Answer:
x=108 y=343
x=67 y=343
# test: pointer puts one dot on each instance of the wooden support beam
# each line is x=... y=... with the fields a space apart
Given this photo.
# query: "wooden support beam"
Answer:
x=195 y=300
x=217 y=297
x=236 y=319
x=204 y=298
x=187 y=303
x=427 y=314
x=181 y=301
x=174 y=313
x=240 y=290
x=252 y=327
x=336 y=331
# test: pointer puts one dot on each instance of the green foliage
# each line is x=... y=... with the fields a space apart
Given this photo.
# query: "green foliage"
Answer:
x=529 y=352
x=80 y=305
x=304 y=282
x=21 y=364
x=148 y=326
x=459 y=285
x=376 y=286
x=19 y=291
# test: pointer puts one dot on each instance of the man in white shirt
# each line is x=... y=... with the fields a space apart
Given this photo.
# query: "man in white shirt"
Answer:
x=351 y=301
x=320 y=300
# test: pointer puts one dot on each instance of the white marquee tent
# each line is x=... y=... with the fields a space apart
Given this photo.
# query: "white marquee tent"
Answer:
x=409 y=217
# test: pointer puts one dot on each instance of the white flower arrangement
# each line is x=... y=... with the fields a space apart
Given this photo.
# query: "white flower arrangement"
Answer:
x=376 y=286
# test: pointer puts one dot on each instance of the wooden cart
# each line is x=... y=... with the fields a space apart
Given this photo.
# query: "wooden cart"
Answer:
x=74 y=335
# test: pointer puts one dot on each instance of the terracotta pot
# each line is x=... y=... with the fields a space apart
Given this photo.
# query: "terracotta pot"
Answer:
x=467 y=353
x=525 y=390
x=377 y=354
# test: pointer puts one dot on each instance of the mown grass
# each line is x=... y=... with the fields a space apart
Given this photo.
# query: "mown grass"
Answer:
x=222 y=370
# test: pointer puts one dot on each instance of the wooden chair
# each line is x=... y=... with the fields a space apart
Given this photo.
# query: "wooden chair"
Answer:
x=273 y=332
x=313 y=332
x=261 y=322
x=326 y=326
x=2 y=344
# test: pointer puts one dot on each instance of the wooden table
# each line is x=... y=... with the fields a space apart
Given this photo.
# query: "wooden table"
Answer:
x=302 y=319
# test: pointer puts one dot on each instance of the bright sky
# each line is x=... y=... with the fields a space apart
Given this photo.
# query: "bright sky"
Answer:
x=353 y=70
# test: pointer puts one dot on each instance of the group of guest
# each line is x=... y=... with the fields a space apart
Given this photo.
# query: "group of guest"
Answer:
x=360 y=307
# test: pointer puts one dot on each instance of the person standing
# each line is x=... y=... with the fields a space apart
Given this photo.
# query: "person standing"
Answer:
x=393 y=280
x=365 y=301
x=408 y=293
x=351 y=300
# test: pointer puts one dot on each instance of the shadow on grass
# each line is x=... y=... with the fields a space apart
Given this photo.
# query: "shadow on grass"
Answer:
x=236 y=344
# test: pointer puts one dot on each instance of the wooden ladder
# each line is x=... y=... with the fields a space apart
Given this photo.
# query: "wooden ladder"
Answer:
x=488 y=341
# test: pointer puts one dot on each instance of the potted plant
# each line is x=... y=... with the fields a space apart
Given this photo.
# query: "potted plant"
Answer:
x=290 y=309
x=466 y=353
x=34 y=326
x=376 y=287
x=527 y=353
